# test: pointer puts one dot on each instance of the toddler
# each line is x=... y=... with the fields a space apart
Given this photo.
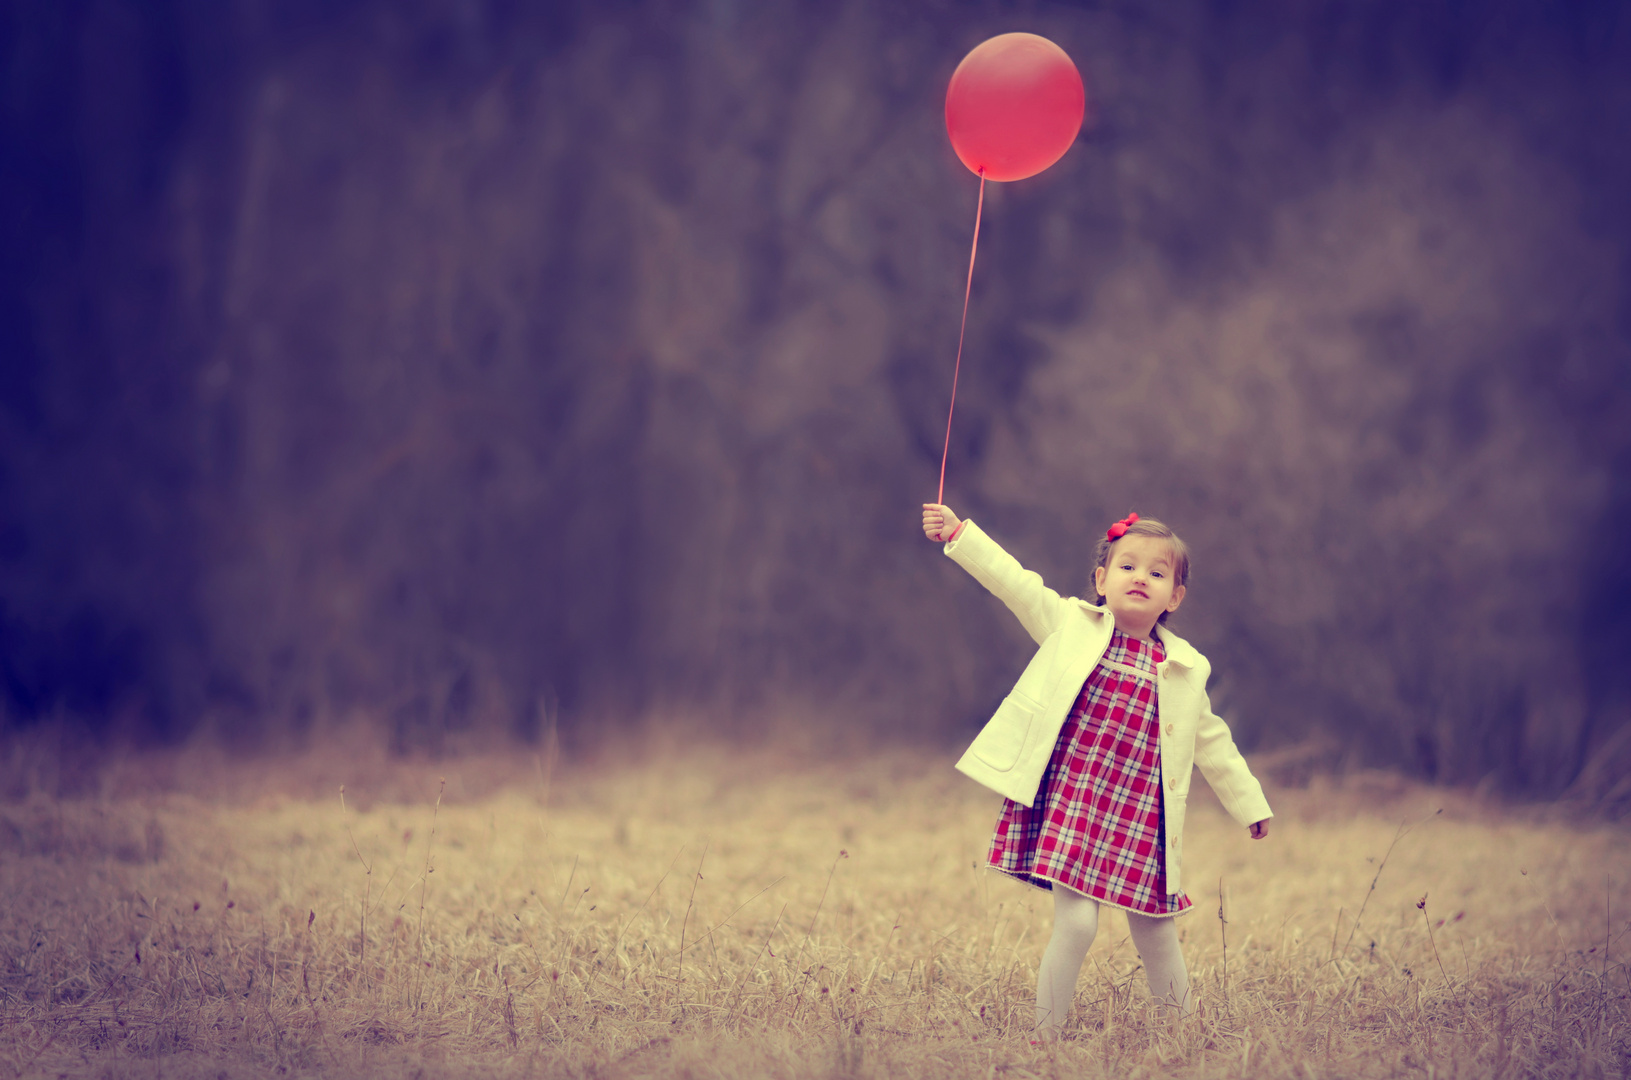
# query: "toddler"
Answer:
x=1094 y=747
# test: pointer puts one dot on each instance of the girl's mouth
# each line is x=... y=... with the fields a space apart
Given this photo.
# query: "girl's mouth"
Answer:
x=1139 y=593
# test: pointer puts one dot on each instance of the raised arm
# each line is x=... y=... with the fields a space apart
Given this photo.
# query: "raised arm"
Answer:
x=1038 y=608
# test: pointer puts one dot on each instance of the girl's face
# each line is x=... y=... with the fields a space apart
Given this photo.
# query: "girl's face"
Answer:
x=1138 y=583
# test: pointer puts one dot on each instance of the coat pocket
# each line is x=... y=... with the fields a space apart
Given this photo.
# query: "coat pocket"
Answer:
x=1003 y=737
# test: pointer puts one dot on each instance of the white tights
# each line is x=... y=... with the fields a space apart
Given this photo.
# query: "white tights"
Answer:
x=1075 y=922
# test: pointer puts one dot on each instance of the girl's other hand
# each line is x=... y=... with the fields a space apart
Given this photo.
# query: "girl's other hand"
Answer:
x=939 y=523
x=1260 y=829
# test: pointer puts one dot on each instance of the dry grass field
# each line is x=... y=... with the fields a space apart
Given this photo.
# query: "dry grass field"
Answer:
x=769 y=913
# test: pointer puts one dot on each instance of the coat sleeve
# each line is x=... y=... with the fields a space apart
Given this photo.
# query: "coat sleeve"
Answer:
x=1225 y=769
x=1039 y=609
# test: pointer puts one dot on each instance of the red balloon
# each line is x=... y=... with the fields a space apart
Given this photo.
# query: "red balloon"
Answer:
x=1014 y=106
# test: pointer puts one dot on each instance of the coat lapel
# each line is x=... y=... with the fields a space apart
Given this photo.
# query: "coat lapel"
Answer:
x=1177 y=649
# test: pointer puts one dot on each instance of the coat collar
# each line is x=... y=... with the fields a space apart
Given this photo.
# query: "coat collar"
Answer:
x=1178 y=650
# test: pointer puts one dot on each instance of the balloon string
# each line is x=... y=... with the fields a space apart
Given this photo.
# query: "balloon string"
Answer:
x=968 y=288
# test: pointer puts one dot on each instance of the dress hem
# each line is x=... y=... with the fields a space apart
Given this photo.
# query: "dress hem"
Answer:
x=1025 y=879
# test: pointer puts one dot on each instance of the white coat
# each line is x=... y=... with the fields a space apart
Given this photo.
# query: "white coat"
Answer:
x=1012 y=752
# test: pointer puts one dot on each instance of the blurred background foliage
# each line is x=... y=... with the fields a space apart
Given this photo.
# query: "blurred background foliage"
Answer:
x=472 y=366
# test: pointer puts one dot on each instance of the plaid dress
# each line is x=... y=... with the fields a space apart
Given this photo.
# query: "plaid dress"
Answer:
x=1096 y=825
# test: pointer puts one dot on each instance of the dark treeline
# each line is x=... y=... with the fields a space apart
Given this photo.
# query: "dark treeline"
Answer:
x=470 y=364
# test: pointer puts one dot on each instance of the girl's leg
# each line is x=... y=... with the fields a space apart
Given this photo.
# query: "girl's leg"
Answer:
x=1157 y=944
x=1075 y=922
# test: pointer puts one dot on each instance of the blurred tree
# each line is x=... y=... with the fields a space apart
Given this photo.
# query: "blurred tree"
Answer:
x=468 y=364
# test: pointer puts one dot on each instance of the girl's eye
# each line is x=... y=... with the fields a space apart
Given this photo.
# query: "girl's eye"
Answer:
x=1155 y=573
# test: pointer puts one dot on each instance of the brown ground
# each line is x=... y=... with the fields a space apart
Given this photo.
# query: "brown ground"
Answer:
x=765 y=913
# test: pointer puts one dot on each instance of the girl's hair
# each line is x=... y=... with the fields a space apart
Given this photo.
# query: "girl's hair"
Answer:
x=1144 y=527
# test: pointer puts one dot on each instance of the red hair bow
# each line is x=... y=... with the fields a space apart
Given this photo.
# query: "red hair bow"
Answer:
x=1119 y=529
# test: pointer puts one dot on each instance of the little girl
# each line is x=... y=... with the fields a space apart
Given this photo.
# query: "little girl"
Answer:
x=1094 y=747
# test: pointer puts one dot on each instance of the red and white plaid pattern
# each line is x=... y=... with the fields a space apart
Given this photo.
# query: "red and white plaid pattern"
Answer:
x=1097 y=825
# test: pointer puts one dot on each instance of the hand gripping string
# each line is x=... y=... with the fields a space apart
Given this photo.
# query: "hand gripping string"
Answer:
x=968 y=288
